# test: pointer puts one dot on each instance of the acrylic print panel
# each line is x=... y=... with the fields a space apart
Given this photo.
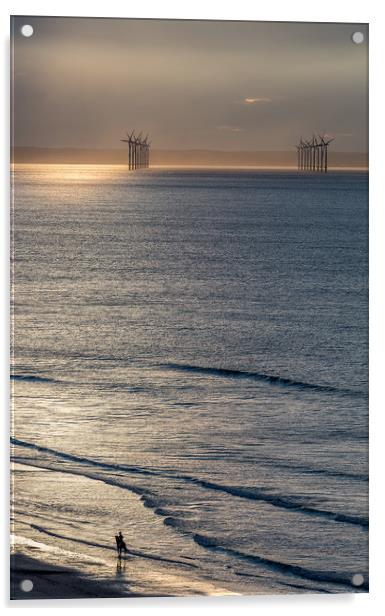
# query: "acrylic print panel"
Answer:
x=189 y=318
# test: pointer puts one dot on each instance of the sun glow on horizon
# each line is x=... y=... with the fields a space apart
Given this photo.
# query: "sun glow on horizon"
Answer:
x=258 y=99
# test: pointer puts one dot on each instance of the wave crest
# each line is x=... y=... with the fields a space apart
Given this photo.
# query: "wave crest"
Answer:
x=285 y=568
x=258 y=376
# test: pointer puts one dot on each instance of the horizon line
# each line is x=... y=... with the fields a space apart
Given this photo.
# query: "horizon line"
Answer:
x=228 y=167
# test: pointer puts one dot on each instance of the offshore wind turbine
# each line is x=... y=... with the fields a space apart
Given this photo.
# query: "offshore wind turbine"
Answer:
x=326 y=152
x=148 y=153
x=129 y=144
x=325 y=144
x=145 y=151
x=138 y=150
x=301 y=154
x=308 y=155
x=313 y=153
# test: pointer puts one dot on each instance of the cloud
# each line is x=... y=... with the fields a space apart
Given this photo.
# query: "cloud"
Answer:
x=256 y=100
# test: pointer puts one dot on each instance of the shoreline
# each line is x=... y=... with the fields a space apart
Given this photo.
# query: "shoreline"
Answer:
x=64 y=564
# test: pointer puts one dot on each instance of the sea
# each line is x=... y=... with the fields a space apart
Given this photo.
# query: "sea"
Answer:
x=190 y=367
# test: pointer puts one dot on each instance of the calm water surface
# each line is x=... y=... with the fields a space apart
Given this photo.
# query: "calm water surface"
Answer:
x=190 y=354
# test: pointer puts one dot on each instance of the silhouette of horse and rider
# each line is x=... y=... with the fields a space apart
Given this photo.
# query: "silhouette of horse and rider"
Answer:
x=120 y=544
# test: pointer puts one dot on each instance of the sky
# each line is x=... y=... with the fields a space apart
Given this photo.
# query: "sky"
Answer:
x=81 y=83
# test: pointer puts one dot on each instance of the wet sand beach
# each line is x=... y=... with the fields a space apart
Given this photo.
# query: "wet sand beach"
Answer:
x=55 y=582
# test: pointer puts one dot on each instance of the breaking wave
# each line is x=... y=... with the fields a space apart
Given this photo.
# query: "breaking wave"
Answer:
x=281 y=567
x=258 y=376
x=32 y=377
x=256 y=494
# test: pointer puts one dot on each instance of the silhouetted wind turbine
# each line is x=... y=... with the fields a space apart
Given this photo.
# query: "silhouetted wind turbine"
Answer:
x=138 y=150
x=129 y=144
x=146 y=151
x=325 y=144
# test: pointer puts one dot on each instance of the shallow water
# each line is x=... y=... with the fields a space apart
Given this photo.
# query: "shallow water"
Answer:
x=197 y=341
